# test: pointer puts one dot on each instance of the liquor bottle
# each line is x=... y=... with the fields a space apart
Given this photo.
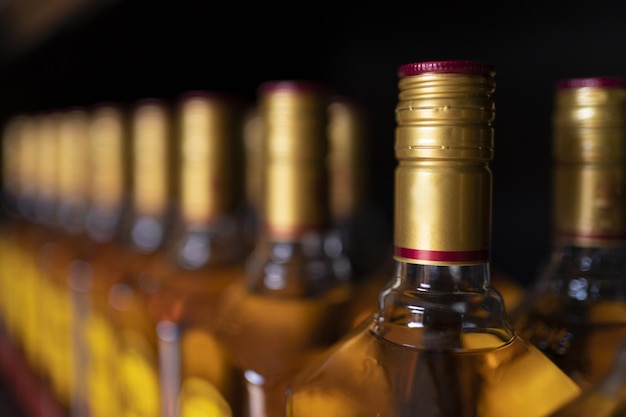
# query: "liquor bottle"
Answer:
x=14 y=137
x=603 y=399
x=359 y=227
x=96 y=346
x=254 y=163
x=440 y=343
x=23 y=354
x=146 y=230
x=284 y=309
x=204 y=255
x=575 y=310
x=58 y=255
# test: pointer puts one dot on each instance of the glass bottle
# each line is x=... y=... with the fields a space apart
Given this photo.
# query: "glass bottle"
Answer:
x=359 y=227
x=606 y=398
x=283 y=311
x=57 y=256
x=575 y=311
x=23 y=346
x=204 y=255
x=143 y=241
x=96 y=345
x=440 y=343
x=254 y=164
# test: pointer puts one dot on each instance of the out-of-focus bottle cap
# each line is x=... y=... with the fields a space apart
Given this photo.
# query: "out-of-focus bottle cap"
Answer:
x=293 y=86
x=603 y=82
x=441 y=67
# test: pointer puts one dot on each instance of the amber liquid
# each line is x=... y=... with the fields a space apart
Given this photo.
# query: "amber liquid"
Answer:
x=198 y=373
x=582 y=340
x=95 y=333
x=271 y=338
x=137 y=342
x=368 y=375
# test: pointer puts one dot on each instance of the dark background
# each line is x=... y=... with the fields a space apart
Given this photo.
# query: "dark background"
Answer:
x=128 y=50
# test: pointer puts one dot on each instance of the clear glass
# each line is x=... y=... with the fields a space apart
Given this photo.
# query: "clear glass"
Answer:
x=575 y=311
x=439 y=345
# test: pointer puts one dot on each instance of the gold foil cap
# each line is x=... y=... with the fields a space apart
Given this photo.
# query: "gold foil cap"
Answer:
x=589 y=149
x=109 y=149
x=349 y=143
x=589 y=119
x=443 y=184
x=13 y=146
x=253 y=137
x=152 y=157
x=47 y=157
x=210 y=147
x=445 y=110
x=295 y=114
x=74 y=157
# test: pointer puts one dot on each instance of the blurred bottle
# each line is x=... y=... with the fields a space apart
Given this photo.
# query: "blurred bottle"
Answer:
x=14 y=147
x=58 y=256
x=575 y=311
x=142 y=243
x=254 y=164
x=40 y=388
x=96 y=351
x=606 y=398
x=284 y=310
x=205 y=254
x=359 y=226
x=439 y=345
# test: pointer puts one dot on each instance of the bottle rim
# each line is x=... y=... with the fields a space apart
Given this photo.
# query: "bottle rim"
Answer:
x=447 y=67
x=582 y=82
x=293 y=86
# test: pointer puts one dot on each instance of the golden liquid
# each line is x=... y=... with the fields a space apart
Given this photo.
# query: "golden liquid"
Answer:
x=208 y=377
x=366 y=375
x=582 y=340
x=98 y=334
x=272 y=338
x=138 y=355
x=511 y=290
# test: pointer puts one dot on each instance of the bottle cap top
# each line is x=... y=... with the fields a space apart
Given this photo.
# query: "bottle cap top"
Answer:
x=439 y=67
x=591 y=82
x=293 y=85
x=207 y=94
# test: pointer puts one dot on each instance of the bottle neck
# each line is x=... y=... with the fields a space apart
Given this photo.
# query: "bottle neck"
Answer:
x=446 y=303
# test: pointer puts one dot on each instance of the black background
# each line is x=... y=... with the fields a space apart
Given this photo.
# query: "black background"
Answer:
x=136 y=49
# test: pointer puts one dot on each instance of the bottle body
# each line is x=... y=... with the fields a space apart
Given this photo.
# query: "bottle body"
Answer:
x=439 y=343
x=574 y=311
x=286 y=306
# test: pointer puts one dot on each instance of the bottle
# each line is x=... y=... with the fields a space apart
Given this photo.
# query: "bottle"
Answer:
x=440 y=343
x=58 y=255
x=605 y=398
x=283 y=311
x=142 y=243
x=95 y=341
x=204 y=255
x=359 y=226
x=253 y=171
x=575 y=310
